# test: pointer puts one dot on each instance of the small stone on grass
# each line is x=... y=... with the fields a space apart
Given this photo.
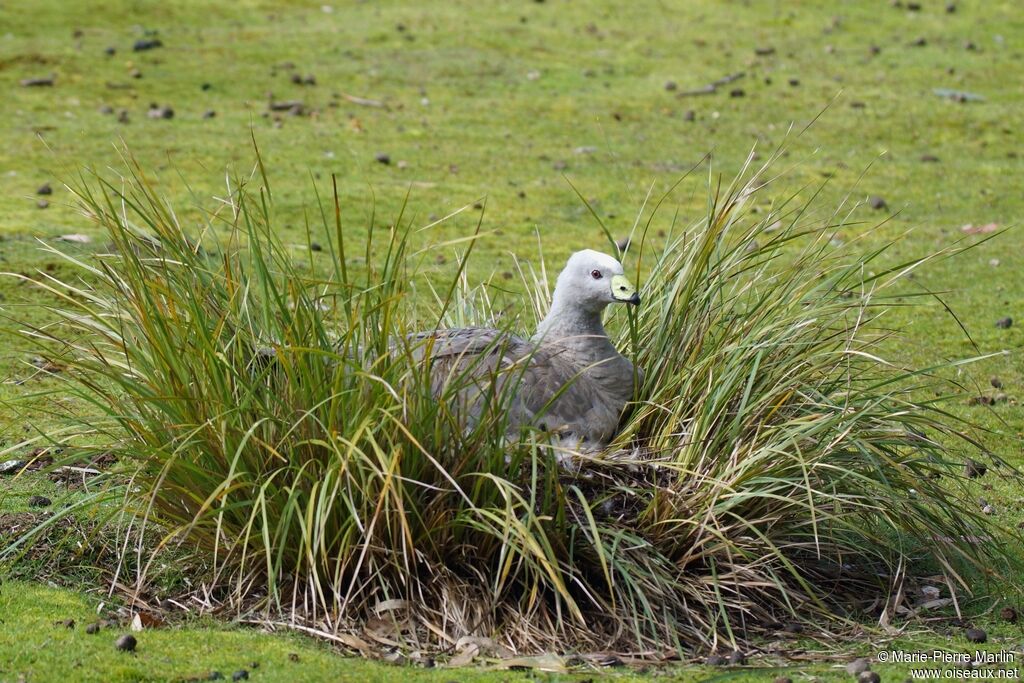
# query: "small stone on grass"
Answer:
x=146 y=44
x=858 y=666
x=11 y=466
x=976 y=635
x=158 y=112
x=974 y=469
x=126 y=643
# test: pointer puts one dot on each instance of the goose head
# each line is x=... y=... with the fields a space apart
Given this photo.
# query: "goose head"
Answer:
x=592 y=280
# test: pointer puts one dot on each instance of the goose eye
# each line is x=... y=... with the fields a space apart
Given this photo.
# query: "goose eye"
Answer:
x=596 y=274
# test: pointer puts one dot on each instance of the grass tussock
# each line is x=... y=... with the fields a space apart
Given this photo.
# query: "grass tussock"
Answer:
x=269 y=418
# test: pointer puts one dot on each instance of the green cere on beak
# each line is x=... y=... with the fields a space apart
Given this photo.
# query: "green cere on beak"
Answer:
x=623 y=290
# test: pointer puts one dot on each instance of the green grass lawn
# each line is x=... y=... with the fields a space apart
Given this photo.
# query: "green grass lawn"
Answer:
x=497 y=107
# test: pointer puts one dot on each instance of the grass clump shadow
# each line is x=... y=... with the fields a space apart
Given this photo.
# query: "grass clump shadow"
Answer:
x=270 y=417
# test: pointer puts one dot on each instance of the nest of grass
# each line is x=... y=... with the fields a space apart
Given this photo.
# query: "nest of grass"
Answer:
x=773 y=467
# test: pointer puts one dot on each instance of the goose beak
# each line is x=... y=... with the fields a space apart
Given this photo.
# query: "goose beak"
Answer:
x=623 y=290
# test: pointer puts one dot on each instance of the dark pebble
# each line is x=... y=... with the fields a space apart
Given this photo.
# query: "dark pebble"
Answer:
x=39 y=502
x=764 y=51
x=976 y=635
x=110 y=51
x=205 y=86
x=689 y=115
x=126 y=643
x=951 y=8
x=160 y=113
x=737 y=92
x=996 y=383
x=93 y=628
x=382 y=158
x=920 y=42
x=974 y=469
x=45 y=189
x=1004 y=323
x=877 y=203
x=215 y=676
x=286 y=105
x=146 y=44
x=209 y=114
x=66 y=623
x=670 y=85
x=794 y=82
x=135 y=73
x=42 y=204
x=106 y=109
x=316 y=246
x=1008 y=614
x=869 y=677
x=44 y=82
x=240 y=675
x=914 y=6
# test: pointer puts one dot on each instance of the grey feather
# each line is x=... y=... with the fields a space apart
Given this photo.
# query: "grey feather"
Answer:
x=567 y=379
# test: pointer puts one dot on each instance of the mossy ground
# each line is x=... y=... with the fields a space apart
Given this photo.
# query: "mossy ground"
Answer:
x=498 y=104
